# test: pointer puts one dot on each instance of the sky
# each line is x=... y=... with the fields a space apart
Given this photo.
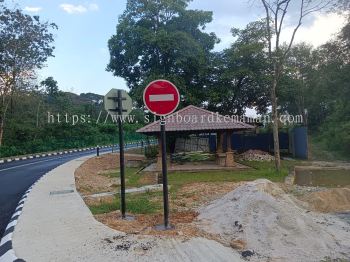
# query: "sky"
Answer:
x=84 y=27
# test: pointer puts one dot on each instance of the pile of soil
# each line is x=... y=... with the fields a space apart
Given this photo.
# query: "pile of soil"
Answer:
x=330 y=200
x=273 y=226
x=193 y=195
x=256 y=155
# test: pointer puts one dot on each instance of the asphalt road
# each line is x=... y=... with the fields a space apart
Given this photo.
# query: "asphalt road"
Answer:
x=17 y=176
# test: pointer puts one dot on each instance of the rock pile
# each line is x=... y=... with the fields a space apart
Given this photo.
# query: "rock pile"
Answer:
x=256 y=155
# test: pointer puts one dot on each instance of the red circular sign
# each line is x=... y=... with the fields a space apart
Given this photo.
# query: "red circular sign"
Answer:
x=161 y=97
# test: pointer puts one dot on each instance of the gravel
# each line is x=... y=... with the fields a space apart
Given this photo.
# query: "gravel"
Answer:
x=256 y=155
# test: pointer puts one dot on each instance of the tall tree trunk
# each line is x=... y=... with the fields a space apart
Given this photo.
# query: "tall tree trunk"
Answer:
x=276 y=144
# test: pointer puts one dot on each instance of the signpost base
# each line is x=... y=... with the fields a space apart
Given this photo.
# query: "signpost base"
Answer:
x=128 y=218
x=162 y=227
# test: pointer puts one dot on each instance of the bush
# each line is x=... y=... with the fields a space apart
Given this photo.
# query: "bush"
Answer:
x=151 y=151
x=192 y=157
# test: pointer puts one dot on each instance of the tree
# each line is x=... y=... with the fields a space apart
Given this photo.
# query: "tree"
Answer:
x=162 y=39
x=25 y=45
x=329 y=114
x=51 y=86
x=276 y=11
x=341 y=5
x=239 y=73
x=294 y=92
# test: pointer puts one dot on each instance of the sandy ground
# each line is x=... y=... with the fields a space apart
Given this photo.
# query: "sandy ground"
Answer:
x=61 y=228
x=183 y=207
x=329 y=200
x=183 y=204
x=257 y=218
x=87 y=179
x=274 y=226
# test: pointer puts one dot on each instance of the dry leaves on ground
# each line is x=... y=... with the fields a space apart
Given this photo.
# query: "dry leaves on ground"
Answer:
x=89 y=178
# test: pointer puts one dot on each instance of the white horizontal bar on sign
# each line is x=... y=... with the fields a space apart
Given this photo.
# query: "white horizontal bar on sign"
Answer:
x=159 y=98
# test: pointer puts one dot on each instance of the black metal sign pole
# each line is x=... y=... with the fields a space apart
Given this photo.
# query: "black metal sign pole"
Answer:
x=164 y=175
x=121 y=154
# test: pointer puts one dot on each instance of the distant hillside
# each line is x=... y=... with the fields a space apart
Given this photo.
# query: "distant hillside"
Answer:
x=85 y=98
x=92 y=97
x=32 y=123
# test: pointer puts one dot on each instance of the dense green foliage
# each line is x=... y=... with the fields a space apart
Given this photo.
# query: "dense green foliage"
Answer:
x=240 y=76
x=38 y=130
x=25 y=45
x=164 y=39
x=318 y=81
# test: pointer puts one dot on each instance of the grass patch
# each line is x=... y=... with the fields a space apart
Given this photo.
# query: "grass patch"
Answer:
x=130 y=176
x=104 y=207
x=259 y=170
x=150 y=202
x=135 y=203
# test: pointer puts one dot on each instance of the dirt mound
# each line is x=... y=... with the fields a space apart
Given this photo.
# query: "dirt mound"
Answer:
x=270 y=188
x=256 y=155
x=274 y=226
x=331 y=200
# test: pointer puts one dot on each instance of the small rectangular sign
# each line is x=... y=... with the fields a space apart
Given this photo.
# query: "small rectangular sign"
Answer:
x=159 y=98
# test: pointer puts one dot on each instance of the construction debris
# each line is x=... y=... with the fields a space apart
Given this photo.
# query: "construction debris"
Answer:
x=256 y=155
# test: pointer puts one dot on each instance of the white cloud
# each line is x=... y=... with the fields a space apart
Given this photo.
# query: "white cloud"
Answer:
x=322 y=28
x=78 y=9
x=73 y=9
x=316 y=29
x=93 y=7
x=226 y=14
x=33 y=9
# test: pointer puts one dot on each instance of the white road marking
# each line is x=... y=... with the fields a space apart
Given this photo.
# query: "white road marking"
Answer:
x=40 y=161
x=28 y=164
x=21 y=205
x=45 y=160
x=160 y=98
x=6 y=238
x=13 y=223
x=9 y=256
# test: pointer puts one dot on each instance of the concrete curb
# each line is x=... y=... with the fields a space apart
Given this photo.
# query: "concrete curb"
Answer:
x=7 y=254
x=40 y=155
x=73 y=234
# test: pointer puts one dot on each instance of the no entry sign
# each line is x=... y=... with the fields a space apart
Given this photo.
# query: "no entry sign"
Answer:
x=161 y=97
